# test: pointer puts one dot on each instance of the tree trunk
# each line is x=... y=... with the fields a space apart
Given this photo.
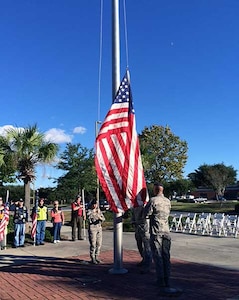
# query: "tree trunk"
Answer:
x=28 y=203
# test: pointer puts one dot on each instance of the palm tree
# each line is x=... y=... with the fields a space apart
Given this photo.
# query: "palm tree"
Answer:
x=28 y=147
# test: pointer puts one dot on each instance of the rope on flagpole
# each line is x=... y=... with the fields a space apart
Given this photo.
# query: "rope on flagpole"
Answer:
x=126 y=36
x=100 y=58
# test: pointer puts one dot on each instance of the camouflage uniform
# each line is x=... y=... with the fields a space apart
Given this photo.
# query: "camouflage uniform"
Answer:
x=95 y=218
x=142 y=236
x=158 y=210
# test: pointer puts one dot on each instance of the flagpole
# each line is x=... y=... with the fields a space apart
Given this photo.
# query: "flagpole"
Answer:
x=84 y=213
x=118 y=226
x=97 y=179
x=5 y=230
x=36 y=207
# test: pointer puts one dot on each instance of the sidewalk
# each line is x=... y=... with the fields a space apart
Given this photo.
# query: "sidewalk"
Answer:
x=62 y=271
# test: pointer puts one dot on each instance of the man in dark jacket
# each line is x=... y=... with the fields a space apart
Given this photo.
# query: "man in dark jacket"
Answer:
x=20 y=218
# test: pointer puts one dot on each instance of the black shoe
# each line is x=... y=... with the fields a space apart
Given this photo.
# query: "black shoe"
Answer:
x=144 y=271
x=14 y=246
x=42 y=244
x=22 y=246
x=73 y=240
x=168 y=291
x=37 y=244
x=80 y=239
x=140 y=264
x=94 y=262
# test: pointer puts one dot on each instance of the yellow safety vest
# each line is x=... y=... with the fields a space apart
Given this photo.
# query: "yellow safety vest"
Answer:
x=42 y=213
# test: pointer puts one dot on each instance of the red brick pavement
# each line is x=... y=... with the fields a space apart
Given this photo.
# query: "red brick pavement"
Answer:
x=73 y=278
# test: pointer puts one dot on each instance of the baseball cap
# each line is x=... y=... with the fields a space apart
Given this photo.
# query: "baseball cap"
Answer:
x=158 y=184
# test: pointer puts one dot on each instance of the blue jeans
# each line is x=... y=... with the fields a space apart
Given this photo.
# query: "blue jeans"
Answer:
x=19 y=234
x=57 y=231
x=40 y=234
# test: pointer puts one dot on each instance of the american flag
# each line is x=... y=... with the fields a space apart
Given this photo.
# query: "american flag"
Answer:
x=34 y=219
x=4 y=222
x=34 y=225
x=117 y=159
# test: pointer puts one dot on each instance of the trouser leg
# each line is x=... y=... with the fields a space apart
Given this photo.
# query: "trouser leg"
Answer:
x=55 y=227
x=98 y=245
x=147 y=254
x=16 y=234
x=22 y=234
x=139 y=241
x=42 y=231
x=79 y=225
x=59 y=231
x=156 y=248
x=74 y=225
x=98 y=242
x=38 y=233
x=92 y=240
x=166 y=260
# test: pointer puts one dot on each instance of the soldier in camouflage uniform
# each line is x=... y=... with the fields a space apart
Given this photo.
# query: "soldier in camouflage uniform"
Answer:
x=95 y=219
x=142 y=238
x=158 y=210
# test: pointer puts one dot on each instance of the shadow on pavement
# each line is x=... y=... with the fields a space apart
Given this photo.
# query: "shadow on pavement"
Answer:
x=75 y=277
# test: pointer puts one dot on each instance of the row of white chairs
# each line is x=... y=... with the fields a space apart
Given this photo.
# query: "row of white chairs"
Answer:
x=218 y=224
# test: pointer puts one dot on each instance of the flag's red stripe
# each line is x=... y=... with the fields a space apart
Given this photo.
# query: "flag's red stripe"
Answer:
x=117 y=190
x=118 y=161
x=3 y=223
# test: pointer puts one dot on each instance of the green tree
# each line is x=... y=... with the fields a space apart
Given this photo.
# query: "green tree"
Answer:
x=216 y=176
x=78 y=163
x=7 y=171
x=164 y=155
x=26 y=148
x=181 y=187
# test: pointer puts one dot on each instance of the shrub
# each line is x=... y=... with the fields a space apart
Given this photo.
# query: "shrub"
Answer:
x=237 y=208
x=48 y=235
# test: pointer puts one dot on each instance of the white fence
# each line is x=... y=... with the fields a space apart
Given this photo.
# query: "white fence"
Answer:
x=206 y=224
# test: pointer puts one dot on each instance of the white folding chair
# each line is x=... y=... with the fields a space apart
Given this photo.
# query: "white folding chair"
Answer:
x=203 y=224
x=217 y=224
x=176 y=224
x=231 y=225
x=190 y=222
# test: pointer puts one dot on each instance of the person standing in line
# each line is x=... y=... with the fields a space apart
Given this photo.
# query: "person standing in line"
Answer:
x=158 y=211
x=95 y=219
x=20 y=218
x=42 y=217
x=142 y=238
x=77 y=218
x=58 y=220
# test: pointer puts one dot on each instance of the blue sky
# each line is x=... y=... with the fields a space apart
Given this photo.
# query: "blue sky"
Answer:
x=183 y=59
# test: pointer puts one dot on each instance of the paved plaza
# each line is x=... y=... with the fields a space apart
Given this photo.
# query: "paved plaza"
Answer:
x=204 y=267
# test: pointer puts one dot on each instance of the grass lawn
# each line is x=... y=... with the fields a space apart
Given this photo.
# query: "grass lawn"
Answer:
x=227 y=207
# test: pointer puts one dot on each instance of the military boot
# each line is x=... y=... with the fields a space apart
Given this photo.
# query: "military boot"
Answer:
x=93 y=260
x=98 y=261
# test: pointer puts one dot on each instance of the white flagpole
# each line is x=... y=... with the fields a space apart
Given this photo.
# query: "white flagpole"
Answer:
x=84 y=213
x=118 y=225
x=5 y=230
x=36 y=207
